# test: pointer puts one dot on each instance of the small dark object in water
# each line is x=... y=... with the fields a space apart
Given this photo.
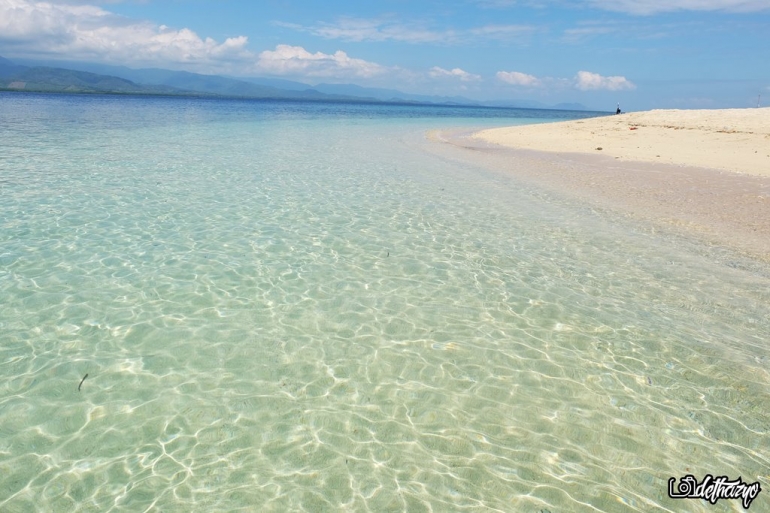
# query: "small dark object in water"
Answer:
x=388 y=253
x=649 y=380
x=81 y=381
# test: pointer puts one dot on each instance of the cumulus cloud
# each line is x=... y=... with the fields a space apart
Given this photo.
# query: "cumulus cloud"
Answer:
x=587 y=81
x=584 y=80
x=518 y=79
x=67 y=28
x=78 y=31
x=463 y=75
x=295 y=60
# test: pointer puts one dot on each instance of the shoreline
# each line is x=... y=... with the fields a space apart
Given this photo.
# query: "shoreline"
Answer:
x=721 y=208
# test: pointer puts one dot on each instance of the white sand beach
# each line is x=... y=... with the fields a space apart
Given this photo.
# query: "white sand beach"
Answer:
x=732 y=139
x=703 y=173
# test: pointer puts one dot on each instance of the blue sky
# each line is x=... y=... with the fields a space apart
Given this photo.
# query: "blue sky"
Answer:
x=641 y=53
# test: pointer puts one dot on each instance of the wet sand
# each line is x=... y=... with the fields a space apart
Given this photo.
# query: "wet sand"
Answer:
x=725 y=209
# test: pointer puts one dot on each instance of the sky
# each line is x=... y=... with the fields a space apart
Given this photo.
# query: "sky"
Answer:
x=642 y=54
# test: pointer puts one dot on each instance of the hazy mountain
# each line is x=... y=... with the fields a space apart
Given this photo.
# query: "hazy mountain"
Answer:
x=206 y=84
x=279 y=83
x=214 y=84
x=67 y=80
x=164 y=81
x=8 y=68
x=155 y=75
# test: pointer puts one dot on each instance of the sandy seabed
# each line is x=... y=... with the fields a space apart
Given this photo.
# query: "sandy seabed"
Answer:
x=703 y=173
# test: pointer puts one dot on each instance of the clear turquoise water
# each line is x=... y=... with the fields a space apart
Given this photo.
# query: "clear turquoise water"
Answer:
x=297 y=307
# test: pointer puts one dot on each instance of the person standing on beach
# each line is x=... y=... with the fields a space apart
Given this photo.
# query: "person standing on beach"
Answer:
x=618 y=111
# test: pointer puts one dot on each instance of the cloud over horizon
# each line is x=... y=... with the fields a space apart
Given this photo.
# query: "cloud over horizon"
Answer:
x=90 y=32
x=583 y=81
x=587 y=81
x=518 y=79
x=295 y=60
x=463 y=75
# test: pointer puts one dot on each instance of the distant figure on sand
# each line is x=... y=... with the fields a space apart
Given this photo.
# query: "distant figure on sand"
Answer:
x=618 y=111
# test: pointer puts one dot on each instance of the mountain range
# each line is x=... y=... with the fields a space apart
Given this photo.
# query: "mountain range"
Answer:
x=82 y=77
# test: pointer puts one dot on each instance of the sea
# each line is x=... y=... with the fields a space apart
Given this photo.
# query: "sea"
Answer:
x=224 y=305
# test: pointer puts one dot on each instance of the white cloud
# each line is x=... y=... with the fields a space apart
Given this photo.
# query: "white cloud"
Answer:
x=501 y=32
x=579 y=34
x=34 y=28
x=656 y=6
x=295 y=60
x=518 y=79
x=31 y=28
x=505 y=4
x=463 y=75
x=356 y=29
x=384 y=29
x=586 y=81
x=643 y=7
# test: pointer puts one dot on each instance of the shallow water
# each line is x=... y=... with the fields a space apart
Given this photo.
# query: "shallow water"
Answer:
x=295 y=307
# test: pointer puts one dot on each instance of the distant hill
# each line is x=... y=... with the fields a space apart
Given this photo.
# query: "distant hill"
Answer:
x=213 y=84
x=66 y=80
x=52 y=79
x=8 y=68
x=72 y=76
x=280 y=83
x=152 y=81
